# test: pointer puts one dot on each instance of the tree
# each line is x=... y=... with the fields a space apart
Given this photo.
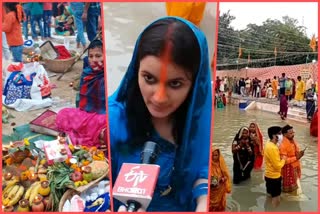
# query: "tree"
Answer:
x=274 y=42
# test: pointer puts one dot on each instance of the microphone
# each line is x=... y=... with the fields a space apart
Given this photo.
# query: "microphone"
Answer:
x=135 y=183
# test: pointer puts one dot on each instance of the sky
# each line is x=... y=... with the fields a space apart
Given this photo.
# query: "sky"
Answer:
x=248 y=12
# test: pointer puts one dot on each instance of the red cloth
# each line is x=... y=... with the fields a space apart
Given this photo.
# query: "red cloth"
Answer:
x=314 y=125
x=83 y=128
x=258 y=152
x=63 y=52
x=15 y=67
x=47 y=5
x=224 y=100
x=289 y=178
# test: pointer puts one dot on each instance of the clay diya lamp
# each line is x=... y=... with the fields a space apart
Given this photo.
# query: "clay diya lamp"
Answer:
x=23 y=206
x=47 y=201
x=8 y=209
x=44 y=189
x=37 y=204
x=33 y=177
x=8 y=176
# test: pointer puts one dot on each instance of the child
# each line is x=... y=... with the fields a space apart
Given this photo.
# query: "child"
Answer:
x=86 y=125
x=12 y=27
x=269 y=92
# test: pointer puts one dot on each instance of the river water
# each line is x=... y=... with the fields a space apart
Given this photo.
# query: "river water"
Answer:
x=251 y=195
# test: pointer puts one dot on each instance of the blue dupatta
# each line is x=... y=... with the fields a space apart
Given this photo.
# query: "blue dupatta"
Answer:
x=192 y=160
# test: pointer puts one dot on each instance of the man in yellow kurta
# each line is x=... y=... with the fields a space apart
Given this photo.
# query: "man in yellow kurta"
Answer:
x=274 y=85
x=300 y=90
x=291 y=172
x=191 y=11
x=273 y=165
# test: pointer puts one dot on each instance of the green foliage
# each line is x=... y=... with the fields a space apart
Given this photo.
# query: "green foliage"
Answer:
x=260 y=41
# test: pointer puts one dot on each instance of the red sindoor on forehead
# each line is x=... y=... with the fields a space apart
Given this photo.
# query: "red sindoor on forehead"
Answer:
x=165 y=60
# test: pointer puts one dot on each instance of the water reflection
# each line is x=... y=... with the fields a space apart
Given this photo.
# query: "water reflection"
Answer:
x=250 y=195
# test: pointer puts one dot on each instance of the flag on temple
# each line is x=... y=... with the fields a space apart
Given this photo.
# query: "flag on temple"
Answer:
x=240 y=52
x=275 y=51
x=249 y=58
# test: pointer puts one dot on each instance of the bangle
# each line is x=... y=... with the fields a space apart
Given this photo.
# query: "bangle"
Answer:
x=199 y=190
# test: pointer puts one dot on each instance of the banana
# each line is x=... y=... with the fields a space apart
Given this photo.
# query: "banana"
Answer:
x=13 y=191
x=6 y=191
x=10 y=184
x=29 y=190
x=5 y=201
x=34 y=192
x=17 y=196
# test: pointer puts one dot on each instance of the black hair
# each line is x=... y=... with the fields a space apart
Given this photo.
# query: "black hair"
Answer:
x=273 y=130
x=239 y=134
x=185 y=53
x=97 y=43
x=12 y=6
x=286 y=128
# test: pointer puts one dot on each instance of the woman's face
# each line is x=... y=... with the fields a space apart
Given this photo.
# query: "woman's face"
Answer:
x=245 y=134
x=252 y=128
x=95 y=56
x=215 y=156
x=162 y=97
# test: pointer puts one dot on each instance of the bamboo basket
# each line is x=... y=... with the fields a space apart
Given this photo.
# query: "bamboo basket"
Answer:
x=67 y=195
x=60 y=65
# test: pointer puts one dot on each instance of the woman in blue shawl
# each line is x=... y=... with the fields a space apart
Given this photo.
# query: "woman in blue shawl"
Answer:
x=165 y=97
x=86 y=125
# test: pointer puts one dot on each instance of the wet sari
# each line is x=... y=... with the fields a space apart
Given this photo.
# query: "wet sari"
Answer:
x=314 y=125
x=243 y=160
x=283 y=106
x=291 y=171
x=258 y=148
x=220 y=184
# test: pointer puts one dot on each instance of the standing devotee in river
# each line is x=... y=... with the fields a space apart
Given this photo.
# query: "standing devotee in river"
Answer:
x=291 y=172
x=273 y=164
x=243 y=156
x=257 y=139
x=220 y=184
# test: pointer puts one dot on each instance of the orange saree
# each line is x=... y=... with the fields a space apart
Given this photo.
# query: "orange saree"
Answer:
x=220 y=184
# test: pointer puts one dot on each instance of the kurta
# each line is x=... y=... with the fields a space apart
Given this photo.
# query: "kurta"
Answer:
x=300 y=89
